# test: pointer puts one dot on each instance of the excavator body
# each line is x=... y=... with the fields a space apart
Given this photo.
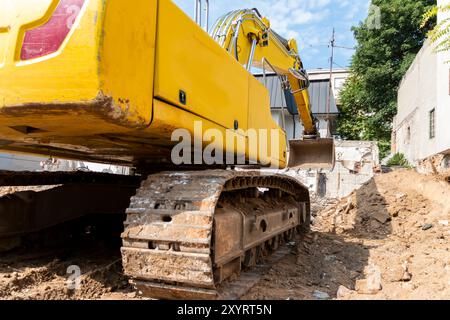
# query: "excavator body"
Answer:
x=80 y=79
x=111 y=81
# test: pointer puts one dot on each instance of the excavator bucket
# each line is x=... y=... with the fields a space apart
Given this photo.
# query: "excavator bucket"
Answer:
x=312 y=154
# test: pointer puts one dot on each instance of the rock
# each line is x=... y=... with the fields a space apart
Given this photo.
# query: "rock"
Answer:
x=131 y=295
x=371 y=285
x=374 y=224
x=381 y=217
x=443 y=222
x=343 y=292
x=355 y=274
x=400 y=195
x=321 y=295
x=374 y=279
x=331 y=258
x=427 y=226
x=337 y=220
x=407 y=276
x=364 y=287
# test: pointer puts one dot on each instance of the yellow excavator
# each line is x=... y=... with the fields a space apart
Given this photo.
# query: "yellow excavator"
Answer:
x=111 y=82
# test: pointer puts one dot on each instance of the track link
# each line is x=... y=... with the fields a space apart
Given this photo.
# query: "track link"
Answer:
x=187 y=232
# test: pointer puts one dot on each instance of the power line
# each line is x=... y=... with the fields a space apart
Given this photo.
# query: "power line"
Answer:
x=338 y=65
x=348 y=48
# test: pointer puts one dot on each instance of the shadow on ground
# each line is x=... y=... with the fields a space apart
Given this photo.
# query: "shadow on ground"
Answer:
x=335 y=253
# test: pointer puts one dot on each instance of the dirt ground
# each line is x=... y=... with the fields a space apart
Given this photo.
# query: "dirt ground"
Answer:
x=388 y=240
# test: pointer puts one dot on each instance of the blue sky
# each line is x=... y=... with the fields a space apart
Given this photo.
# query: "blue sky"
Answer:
x=310 y=22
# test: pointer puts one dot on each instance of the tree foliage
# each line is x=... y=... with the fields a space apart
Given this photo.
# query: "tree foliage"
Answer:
x=399 y=159
x=440 y=34
x=382 y=57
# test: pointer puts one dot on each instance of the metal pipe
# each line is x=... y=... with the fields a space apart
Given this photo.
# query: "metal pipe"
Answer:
x=235 y=39
x=207 y=14
x=198 y=11
x=252 y=54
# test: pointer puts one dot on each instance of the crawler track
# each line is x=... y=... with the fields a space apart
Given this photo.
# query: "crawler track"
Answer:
x=186 y=233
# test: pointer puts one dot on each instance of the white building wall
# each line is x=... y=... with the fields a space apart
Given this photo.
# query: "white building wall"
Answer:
x=443 y=95
x=417 y=96
x=356 y=163
x=338 y=78
x=426 y=86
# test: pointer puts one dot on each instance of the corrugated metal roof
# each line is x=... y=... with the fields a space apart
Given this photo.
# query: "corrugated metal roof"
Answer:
x=318 y=91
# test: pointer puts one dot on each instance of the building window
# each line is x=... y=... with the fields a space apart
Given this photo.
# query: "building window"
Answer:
x=433 y=124
x=408 y=135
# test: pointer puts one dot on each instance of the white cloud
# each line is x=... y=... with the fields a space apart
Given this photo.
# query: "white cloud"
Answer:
x=308 y=21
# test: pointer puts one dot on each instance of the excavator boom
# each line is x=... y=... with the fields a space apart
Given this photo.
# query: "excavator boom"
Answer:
x=247 y=36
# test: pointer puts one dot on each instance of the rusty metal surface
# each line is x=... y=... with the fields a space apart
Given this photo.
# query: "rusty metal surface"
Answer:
x=228 y=240
x=168 y=243
x=174 y=292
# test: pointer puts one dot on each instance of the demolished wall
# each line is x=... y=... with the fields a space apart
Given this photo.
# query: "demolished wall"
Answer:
x=356 y=163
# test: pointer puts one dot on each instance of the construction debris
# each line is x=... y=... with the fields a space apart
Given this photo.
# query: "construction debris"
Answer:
x=370 y=245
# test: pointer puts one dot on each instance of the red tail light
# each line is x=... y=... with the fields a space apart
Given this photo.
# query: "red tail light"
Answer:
x=48 y=38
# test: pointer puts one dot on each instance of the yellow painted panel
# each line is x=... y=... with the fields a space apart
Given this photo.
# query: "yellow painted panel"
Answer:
x=68 y=75
x=188 y=59
x=128 y=57
x=168 y=118
x=260 y=117
x=4 y=37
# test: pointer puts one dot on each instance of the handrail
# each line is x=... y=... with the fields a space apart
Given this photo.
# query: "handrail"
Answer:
x=198 y=13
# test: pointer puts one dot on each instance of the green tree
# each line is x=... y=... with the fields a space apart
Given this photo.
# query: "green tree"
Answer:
x=440 y=34
x=383 y=55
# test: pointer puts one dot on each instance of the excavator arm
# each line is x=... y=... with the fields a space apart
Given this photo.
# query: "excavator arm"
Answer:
x=247 y=36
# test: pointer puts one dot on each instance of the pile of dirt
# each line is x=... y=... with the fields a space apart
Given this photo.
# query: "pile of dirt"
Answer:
x=77 y=260
x=388 y=240
x=44 y=277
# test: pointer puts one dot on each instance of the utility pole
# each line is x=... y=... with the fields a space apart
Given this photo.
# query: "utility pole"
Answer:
x=330 y=87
